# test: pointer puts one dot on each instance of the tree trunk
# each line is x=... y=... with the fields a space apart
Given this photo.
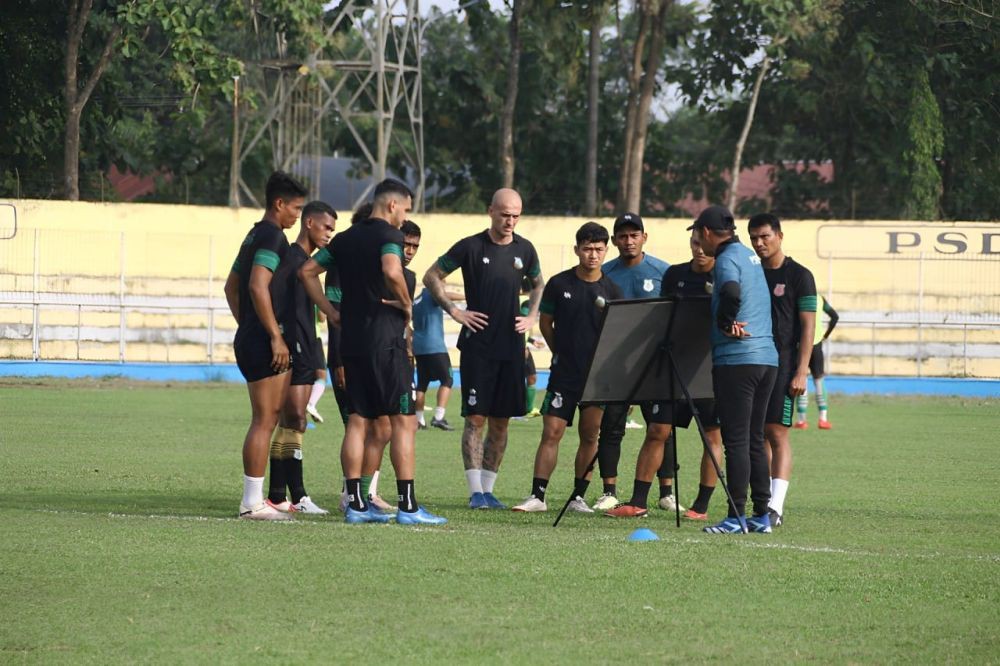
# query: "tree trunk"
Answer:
x=510 y=97
x=75 y=97
x=593 y=97
x=634 y=70
x=631 y=197
x=738 y=156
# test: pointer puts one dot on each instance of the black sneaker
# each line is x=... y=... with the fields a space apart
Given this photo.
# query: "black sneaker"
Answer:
x=775 y=517
x=441 y=424
x=421 y=426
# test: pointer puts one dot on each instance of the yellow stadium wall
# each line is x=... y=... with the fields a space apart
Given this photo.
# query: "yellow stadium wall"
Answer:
x=80 y=253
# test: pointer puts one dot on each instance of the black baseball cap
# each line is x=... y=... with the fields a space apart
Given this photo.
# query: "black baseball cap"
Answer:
x=628 y=219
x=716 y=218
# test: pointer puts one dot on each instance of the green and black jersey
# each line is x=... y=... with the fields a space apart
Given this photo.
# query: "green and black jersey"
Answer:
x=793 y=290
x=576 y=307
x=265 y=245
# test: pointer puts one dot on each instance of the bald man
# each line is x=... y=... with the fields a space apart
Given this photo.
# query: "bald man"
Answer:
x=493 y=264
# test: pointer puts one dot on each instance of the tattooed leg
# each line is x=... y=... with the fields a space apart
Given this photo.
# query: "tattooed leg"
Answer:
x=472 y=442
x=496 y=444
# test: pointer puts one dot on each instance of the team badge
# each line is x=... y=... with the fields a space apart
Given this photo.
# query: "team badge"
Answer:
x=647 y=285
x=297 y=454
x=566 y=294
x=755 y=260
x=557 y=400
x=518 y=264
x=779 y=290
x=708 y=287
x=600 y=302
x=656 y=409
x=486 y=260
x=472 y=398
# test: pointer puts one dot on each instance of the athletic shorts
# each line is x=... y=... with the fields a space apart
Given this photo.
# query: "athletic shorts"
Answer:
x=433 y=368
x=816 y=361
x=679 y=413
x=780 y=406
x=253 y=356
x=529 y=365
x=562 y=404
x=379 y=384
x=491 y=387
x=308 y=359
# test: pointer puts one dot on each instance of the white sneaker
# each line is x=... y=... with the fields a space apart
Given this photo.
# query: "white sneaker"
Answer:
x=306 y=505
x=531 y=505
x=579 y=505
x=283 y=506
x=606 y=502
x=668 y=503
x=381 y=504
x=311 y=411
x=345 y=500
x=633 y=425
x=263 y=511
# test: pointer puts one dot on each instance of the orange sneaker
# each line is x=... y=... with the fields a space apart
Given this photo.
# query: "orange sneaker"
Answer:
x=825 y=425
x=626 y=511
x=691 y=514
x=801 y=425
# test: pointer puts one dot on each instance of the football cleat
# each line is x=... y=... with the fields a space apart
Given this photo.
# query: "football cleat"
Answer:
x=633 y=425
x=760 y=524
x=531 y=505
x=369 y=515
x=311 y=411
x=626 y=511
x=825 y=425
x=344 y=502
x=533 y=414
x=691 y=514
x=492 y=502
x=606 y=501
x=801 y=425
x=306 y=505
x=442 y=424
x=579 y=505
x=727 y=526
x=775 y=517
x=478 y=501
x=263 y=511
x=669 y=503
x=421 y=426
x=419 y=517
x=284 y=506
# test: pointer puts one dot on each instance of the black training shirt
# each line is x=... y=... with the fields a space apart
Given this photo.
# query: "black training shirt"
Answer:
x=492 y=274
x=264 y=245
x=300 y=311
x=684 y=280
x=793 y=290
x=576 y=307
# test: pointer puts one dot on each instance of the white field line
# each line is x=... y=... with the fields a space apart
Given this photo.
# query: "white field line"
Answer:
x=751 y=542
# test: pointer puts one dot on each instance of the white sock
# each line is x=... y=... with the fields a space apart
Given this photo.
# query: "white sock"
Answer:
x=373 y=486
x=822 y=415
x=420 y=418
x=779 y=487
x=317 y=391
x=488 y=479
x=439 y=413
x=253 y=491
x=475 y=481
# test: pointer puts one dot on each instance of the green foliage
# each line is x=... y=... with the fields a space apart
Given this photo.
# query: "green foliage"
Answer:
x=923 y=144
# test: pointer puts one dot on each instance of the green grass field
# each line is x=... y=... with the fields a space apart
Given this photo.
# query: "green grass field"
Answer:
x=120 y=545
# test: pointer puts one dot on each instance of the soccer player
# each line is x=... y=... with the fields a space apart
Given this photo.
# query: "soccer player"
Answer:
x=638 y=275
x=688 y=280
x=793 y=320
x=374 y=310
x=570 y=322
x=431 y=356
x=530 y=371
x=744 y=365
x=316 y=230
x=262 y=354
x=319 y=385
x=493 y=264
x=817 y=370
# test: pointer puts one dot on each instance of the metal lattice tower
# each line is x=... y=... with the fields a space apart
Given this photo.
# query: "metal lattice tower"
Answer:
x=365 y=79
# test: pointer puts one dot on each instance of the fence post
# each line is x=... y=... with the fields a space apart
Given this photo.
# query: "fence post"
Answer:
x=121 y=303
x=79 y=328
x=35 y=279
x=211 y=311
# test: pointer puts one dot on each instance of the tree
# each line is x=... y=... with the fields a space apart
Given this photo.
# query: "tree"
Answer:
x=597 y=14
x=518 y=8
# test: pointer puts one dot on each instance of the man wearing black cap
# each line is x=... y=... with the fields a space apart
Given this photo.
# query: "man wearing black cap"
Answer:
x=744 y=365
x=638 y=275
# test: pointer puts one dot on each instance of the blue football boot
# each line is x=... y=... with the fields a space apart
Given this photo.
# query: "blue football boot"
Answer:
x=370 y=515
x=760 y=524
x=728 y=526
x=478 y=501
x=419 y=517
x=492 y=502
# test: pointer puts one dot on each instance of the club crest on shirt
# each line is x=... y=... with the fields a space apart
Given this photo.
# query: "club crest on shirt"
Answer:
x=557 y=400
x=486 y=260
x=656 y=409
x=518 y=264
x=472 y=398
x=708 y=287
x=754 y=259
x=779 y=290
x=647 y=285
x=600 y=302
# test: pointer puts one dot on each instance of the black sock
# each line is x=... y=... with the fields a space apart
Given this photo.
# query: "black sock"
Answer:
x=354 y=493
x=276 y=484
x=704 y=495
x=640 y=493
x=407 y=496
x=580 y=487
x=610 y=488
x=293 y=475
x=666 y=490
x=538 y=487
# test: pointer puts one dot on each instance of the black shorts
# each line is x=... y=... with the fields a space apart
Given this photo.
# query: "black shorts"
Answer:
x=379 y=384
x=816 y=361
x=491 y=387
x=433 y=368
x=562 y=404
x=253 y=356
x=308 y=359
x=780 y=405
x=529 y=364
x=679 y=413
